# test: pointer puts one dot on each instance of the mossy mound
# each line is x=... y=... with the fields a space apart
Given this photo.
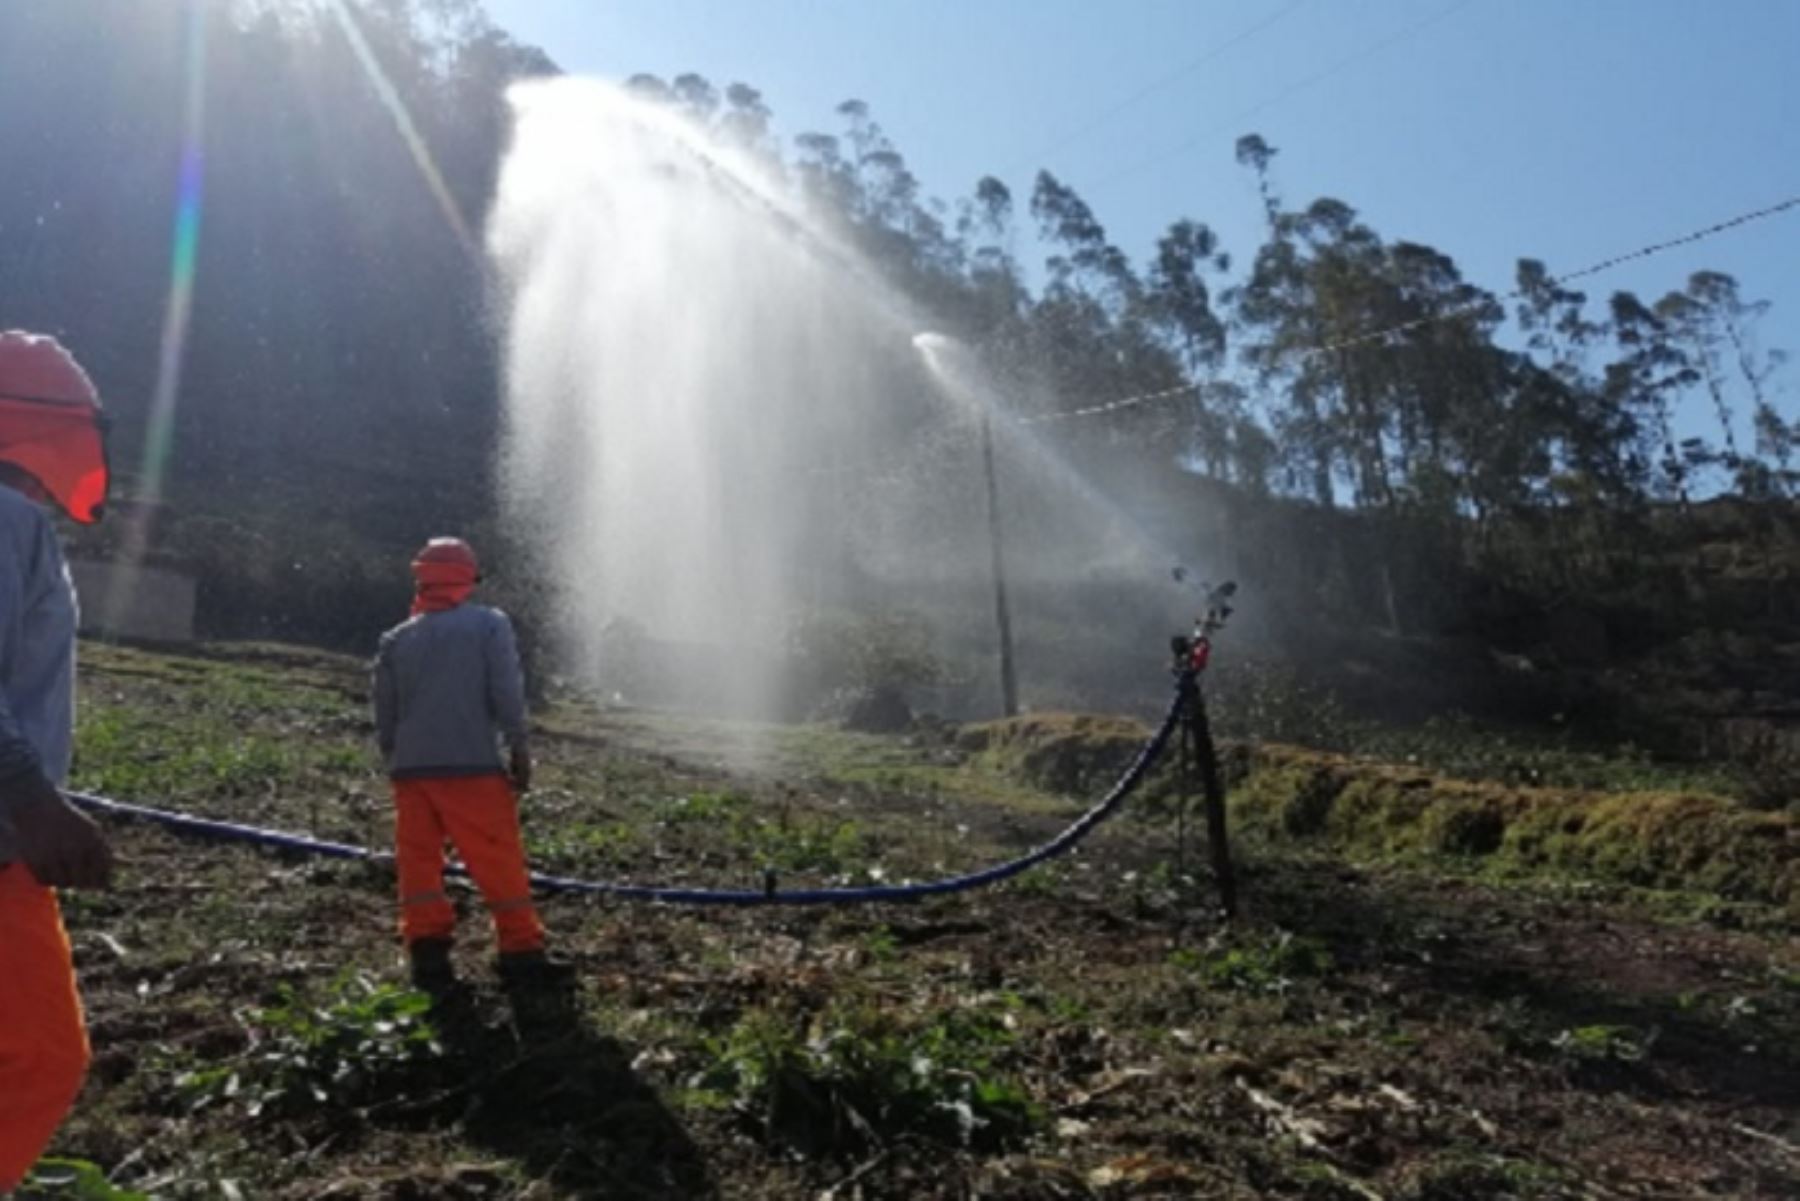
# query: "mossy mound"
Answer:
x=1670 y=840
x=1666 y=840
x=1074 y=753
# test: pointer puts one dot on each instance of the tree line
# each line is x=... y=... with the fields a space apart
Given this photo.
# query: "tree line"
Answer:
x=344 y=336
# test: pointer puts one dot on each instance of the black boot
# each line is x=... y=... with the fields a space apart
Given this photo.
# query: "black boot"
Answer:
x=519 y=969
x=432 y=970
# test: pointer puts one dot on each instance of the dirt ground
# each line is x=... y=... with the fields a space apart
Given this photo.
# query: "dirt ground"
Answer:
x=1090 y=1030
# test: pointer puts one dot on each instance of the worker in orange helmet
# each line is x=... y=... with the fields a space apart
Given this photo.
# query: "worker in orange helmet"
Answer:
x=52 y=455
x=447 y=681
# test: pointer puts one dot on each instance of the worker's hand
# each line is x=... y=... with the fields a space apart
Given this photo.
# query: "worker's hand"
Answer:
x=521 y=770
x=62 y=847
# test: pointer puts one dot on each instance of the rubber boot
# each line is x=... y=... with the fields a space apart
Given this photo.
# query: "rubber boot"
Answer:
x=432 y=970
x=538 y=969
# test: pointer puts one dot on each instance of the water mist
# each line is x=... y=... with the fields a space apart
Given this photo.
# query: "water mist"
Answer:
x=718 y=418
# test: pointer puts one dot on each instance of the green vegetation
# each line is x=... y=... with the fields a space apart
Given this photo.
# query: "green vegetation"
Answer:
x=73 y=1180
x=206 y=730
x=571 y=845
x=1390 y=1015
x=352 y=1046
x=703 y=806
x=1486 y=509
x=1471 y=1176
x=1603 y=1043
x=1269 y=965
x=860 y=1072
x=1466 y=750
x=1061 y=752
x=1662 y=840
x=1679 y=841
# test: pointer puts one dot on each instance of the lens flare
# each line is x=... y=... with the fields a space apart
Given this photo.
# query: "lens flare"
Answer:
x=183 y=257
x=172 y=349
x=403 y=122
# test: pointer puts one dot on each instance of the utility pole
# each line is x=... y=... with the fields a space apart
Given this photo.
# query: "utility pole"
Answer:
x=1009 y=680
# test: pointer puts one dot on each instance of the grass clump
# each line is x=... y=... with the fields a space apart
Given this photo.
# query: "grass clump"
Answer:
x=73 y=1180
x=858 y=1075
x=360 y=1043
x=1267 y=965
x=1604 y=1043
x=584 y=845
x=1468 y=1175
x=134 y=754
x=702 y=806
x=1683 y=841
x=1071 y=753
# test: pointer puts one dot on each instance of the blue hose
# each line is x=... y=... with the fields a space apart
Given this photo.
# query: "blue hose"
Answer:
x=1080 y=829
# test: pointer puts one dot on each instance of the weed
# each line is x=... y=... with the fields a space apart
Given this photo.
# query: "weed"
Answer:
x=1323 y=1182
x=604 y=842
x=702 y=807
x=309 y=1054
x=831 y=847
x=880 y=945
x=75 y=1180
x=1045 y=880
x=345 y=760
x=1067 y=1010
x=1269 y=966
x=699 y=1100
x=135 y=754
x=863 y=1074
x=1604 y=1044
x=1469 y=1176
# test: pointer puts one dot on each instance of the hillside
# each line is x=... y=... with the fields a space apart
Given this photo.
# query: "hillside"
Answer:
x=1387 y=1021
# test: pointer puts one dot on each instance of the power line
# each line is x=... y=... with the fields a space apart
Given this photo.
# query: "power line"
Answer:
x=1606 y=264
x=1683 y=240
x=1149 y=89
x=1316 y=78
x=1128 y=402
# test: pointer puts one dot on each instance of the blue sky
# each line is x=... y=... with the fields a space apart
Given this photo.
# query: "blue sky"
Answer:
x=1491 y=129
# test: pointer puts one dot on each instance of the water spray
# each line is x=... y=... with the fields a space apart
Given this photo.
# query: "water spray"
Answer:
x=689 y=354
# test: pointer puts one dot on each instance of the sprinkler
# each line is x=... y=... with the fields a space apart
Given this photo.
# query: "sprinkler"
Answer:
x=1192 y=652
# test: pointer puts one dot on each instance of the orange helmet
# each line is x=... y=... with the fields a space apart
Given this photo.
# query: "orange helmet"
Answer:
x=51 y=424
x=447 y=557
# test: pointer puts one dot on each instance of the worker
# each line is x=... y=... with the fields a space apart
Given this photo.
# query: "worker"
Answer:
x=448 y=688
x=52 y=455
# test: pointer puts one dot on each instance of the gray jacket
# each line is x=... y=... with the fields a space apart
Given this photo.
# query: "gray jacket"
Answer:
x=37 y=650
x=445 y=683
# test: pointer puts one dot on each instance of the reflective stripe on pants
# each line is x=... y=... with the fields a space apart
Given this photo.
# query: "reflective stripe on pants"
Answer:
x=479 y=816
x=43 y=1042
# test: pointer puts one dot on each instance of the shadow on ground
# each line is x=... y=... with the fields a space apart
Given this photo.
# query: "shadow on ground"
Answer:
x=1546 y=968
x=559 y=1098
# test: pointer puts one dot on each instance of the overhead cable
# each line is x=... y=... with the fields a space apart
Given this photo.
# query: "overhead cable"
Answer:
x=1154 y=86
x=1607 y=264
x=1236 y=120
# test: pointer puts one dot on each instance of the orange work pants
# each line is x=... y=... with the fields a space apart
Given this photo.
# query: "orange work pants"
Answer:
x=43 y=1042
x=479 y=815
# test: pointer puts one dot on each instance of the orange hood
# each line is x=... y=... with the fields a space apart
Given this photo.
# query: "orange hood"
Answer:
x=51 y=423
